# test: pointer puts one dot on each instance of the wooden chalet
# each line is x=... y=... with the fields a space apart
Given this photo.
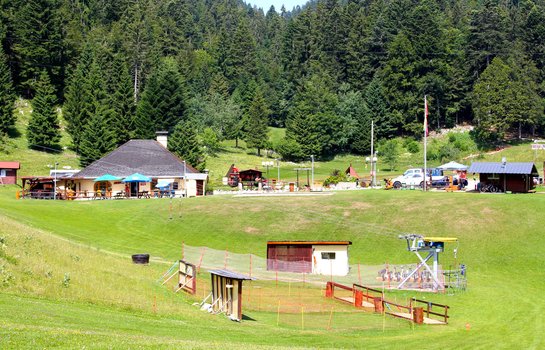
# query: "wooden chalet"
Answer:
x=514 y=177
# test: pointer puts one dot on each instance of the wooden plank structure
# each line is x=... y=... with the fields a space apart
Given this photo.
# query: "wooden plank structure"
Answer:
x=360 y=296
x=187 y=277
x=418 y=311
x=227 y=293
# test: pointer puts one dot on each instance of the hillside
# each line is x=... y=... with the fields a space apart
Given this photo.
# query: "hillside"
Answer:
x=35 y=162
x=500 y=242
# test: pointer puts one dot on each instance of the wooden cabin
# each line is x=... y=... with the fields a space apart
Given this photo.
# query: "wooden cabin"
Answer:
x=8 y=172
x=507 y=176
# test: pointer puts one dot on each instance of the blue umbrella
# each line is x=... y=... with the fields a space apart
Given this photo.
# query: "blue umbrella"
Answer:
x=107 y=177
x=136 y=177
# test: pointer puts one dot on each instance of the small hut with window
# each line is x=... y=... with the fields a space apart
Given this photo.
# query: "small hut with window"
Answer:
x=317 y=257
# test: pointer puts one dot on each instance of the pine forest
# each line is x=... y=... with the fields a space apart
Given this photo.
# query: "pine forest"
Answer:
x=213 y=70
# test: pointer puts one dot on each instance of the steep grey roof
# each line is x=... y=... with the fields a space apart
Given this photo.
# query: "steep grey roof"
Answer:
x=147 y=157
x=500 y=168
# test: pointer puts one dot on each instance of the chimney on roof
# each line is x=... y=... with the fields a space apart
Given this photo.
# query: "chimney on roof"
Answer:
x=503 y=162
x=162 y=138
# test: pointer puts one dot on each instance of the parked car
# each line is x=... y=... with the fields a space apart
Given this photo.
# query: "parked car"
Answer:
x=415 y=177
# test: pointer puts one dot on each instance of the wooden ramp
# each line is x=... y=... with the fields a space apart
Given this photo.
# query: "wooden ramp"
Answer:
x=409 y=317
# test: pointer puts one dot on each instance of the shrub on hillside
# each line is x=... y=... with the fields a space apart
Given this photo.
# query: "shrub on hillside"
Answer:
x=335 y=177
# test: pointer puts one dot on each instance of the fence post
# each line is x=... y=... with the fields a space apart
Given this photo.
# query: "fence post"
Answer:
x=359 y=273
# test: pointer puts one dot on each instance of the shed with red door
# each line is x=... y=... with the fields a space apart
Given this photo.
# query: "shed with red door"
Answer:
x=317 y=257
x=8 y=172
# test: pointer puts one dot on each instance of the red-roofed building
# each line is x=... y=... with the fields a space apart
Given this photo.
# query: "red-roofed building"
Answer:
x=8 y=172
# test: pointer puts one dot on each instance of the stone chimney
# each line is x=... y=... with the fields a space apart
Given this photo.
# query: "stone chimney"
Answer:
x=162 y=138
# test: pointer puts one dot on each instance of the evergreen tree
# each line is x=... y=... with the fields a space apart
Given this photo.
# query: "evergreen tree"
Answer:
x=7 y=96
x=184 y=142
x=38 y=43
x=398 y=77
x=43 y=128
x=491 y=101
x=313 y=123
x=257 y=123
x=376 y=109
x=97 y=138
x=163 y=103
x=75 y=107
x=122 y=103
x=350 y=111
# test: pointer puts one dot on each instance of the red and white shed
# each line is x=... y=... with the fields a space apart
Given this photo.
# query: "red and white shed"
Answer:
x=8 y=172
x=318 y=257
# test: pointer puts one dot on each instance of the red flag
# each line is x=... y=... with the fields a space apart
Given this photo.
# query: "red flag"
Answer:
x=425 y=116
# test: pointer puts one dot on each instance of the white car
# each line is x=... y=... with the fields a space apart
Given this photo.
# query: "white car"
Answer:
x=415 y=177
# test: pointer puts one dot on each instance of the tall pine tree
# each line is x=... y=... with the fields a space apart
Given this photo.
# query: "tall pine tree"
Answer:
x=185 y=144
x=38 y=43
x=7 y=96
x=77 y=96
x=43 y=131
x=257 y=123
x=163 y=103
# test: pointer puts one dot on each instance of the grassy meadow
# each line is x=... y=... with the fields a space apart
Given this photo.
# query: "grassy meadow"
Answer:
x=67 y=280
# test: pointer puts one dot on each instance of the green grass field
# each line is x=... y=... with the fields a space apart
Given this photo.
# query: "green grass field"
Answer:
x=67 y=280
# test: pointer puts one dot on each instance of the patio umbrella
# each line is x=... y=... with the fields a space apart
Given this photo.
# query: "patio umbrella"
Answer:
x=107 y=177
x=453 y=166
x=136 y=177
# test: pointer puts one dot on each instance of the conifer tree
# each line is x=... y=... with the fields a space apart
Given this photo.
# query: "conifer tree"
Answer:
x=376 y=108
x=97 y=138
x=185 y=144
x=257 y=123
x=163 y=103
x=43 y=128
x=122 y=102
x=75 y=107
x=38 y=43
x=7 y=96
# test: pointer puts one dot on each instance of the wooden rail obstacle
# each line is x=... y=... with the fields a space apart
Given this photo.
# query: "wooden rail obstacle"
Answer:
x=418 y=311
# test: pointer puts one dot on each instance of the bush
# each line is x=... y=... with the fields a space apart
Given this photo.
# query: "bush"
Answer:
x=289 y=150
x=412 y=146
x=335 y=177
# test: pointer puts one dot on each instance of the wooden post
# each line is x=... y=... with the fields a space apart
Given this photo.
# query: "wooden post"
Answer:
x=250 y=265
x=358 y=298
x=278 y=314
x=388 y=274
x=418 y=315
x=302 y=318
x=200 y=260
x=377 y=301
x=359 y=274
x=329 y=290
x=330 y=318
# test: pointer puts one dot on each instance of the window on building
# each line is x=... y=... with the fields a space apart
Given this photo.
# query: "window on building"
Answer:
x=175 y=185
x=328 y=256
x=2 y=172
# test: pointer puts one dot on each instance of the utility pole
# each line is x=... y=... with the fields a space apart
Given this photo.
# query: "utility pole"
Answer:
x=55 y=182
x=185 y=180
x=372 y=155
x=312 y=172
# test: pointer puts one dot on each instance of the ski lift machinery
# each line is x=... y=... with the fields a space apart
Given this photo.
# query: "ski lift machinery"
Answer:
x=432 y=246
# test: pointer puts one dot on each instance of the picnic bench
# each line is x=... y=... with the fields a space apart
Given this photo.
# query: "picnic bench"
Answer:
x=143 y=194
